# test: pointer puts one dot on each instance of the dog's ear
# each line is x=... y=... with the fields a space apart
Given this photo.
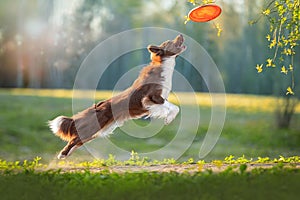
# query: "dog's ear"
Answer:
x=155 y=49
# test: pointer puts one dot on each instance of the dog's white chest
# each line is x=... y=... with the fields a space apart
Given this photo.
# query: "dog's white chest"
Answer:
x=167 y=73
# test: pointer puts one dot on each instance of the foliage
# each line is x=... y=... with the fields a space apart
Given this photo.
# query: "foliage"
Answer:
x=150 y=185
x=26 y=166
x=237 y=179
x=283 y=37
x=134 y=160
x=265 y=160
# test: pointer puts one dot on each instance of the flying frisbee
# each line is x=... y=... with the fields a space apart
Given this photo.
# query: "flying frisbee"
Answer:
x=204 y=13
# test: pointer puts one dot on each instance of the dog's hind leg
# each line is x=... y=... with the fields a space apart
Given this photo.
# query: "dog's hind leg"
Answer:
x=70 y=147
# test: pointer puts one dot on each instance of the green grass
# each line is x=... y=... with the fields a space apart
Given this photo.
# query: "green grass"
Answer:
x=32 y=180
x=249 y=132
x=24 y=133
x=23 y=130
x=260 y=184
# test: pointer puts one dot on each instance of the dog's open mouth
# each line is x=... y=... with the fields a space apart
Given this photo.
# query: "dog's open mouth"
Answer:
x=178 y=41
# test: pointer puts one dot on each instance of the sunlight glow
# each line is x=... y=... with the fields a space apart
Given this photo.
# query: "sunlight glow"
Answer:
x=62 y=8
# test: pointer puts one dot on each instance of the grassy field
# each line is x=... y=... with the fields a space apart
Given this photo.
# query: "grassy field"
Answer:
x=249 y=130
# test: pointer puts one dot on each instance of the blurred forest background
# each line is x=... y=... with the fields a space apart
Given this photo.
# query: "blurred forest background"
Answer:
x=43 y=43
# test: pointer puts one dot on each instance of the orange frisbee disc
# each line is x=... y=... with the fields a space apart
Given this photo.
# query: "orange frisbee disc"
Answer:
x=205 y=13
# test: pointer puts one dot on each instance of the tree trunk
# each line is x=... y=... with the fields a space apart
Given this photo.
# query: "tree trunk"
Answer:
x=285 y=112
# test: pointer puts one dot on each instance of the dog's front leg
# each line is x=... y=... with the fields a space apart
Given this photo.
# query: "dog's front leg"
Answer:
x=162 y=109
x=172 y=112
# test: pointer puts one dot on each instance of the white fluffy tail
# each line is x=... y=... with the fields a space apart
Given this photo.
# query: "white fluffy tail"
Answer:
x=55 y=124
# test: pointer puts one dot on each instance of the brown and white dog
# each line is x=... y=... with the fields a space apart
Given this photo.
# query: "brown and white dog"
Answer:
x=146 y=97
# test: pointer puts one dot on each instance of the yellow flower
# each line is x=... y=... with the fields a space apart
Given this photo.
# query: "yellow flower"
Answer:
x=287 y=51
x=289 y=91
x=284 y=40
x=207 y=1
x=273 y=43
x=259 y=68
x=268 y=37
x=186 y=19
x=284 y=70
x=200 y=166
x=269 y=62
x=219 y=28
x=291 y=68
x=192 y=2
x=266 y=12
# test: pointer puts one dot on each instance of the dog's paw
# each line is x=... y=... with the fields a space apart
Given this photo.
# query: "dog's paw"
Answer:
x=61 y=156
x=169 y=119
x=172 y=115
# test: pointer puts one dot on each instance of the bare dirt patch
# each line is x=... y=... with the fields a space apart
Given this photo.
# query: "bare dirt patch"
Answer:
x=178 y=168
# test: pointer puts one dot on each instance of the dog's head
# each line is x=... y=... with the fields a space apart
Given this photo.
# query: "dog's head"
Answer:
x=168 y=48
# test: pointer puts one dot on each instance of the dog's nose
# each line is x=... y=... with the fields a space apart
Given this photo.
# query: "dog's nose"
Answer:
x=179 y=40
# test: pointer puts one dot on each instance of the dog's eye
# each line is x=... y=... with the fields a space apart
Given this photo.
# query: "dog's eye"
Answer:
x=160 y=52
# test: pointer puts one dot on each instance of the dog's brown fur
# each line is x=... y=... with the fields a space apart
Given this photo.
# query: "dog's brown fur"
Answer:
x=134 y=102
